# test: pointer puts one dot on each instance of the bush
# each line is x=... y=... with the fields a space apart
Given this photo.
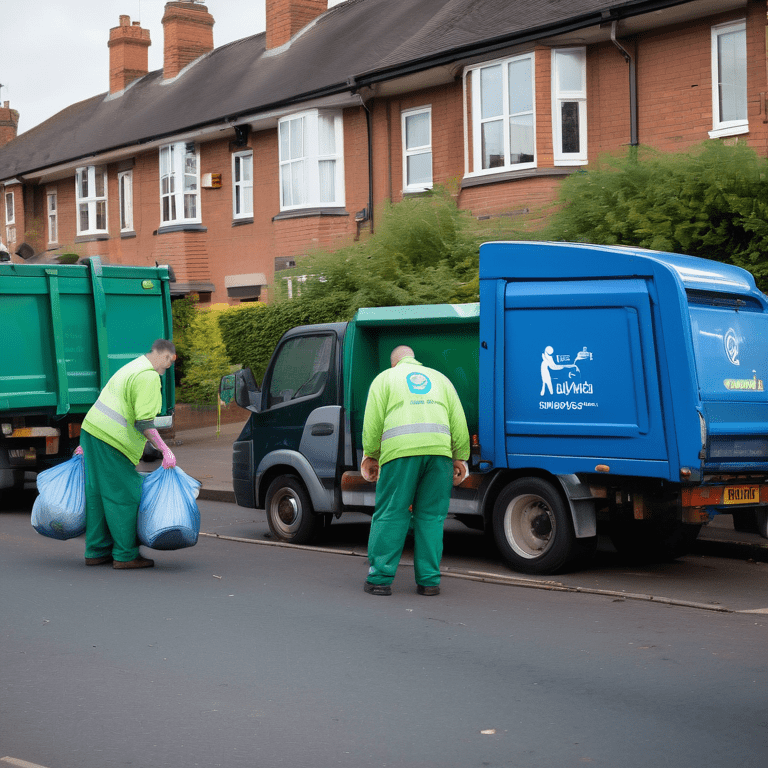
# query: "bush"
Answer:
x=205 y=359
x=711 y=201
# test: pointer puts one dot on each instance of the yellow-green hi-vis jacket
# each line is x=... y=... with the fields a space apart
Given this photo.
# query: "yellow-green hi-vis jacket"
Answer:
x=133 y=394
x=414 y=411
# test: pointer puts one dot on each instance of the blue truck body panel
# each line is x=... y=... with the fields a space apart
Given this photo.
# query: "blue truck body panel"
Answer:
x=619 y=357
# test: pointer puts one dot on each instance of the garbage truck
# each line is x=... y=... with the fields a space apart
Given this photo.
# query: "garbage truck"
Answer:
x=66 y=330
x=606 y=389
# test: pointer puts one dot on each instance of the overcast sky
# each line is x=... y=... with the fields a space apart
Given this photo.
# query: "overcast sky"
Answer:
x=54 y=53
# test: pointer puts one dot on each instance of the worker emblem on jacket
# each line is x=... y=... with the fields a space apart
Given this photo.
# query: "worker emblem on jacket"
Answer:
x=418 y=383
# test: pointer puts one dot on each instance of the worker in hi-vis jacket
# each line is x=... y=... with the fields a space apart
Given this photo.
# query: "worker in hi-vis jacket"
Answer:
x=114 y=433
x=416 y=445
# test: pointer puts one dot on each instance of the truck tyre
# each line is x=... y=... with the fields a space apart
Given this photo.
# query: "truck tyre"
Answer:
x=533 y=528
x=745 y=521
x=289 y=511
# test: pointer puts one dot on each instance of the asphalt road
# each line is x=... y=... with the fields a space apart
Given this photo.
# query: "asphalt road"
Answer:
x=236 y=654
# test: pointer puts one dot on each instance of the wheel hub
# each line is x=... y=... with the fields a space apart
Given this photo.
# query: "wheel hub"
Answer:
x=287 y=510
x=529 y=525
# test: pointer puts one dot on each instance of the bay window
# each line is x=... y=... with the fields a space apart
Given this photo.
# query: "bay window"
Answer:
x=91 y=200
x=311 y=146
x=503 y=116
x=179 y=183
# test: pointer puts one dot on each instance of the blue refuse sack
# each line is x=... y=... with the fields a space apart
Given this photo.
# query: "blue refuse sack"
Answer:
x=168 y=513
x=59 y=509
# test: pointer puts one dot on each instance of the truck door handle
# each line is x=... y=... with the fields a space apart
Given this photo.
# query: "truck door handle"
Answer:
x=321 y=430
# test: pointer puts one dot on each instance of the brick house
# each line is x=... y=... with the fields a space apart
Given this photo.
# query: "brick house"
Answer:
x=232 y=162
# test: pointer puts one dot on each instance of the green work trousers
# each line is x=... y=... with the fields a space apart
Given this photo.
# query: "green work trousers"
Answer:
x=112 y=496
x=423 y=483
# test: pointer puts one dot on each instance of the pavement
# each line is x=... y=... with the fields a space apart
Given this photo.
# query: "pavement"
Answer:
x=206 y=454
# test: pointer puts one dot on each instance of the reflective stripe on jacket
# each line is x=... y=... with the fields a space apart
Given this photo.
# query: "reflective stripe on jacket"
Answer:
x=413 y=411
x=132 y=394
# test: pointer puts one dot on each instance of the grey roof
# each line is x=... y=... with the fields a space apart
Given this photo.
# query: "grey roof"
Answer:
x=362 y=39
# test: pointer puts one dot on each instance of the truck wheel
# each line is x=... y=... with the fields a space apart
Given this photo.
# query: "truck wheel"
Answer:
x=533 y=528
x=289 y=511
x=745 y=521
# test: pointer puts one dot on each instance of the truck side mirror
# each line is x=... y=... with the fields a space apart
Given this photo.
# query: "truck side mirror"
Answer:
x=241 y=386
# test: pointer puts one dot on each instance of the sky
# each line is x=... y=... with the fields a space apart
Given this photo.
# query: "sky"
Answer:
x=54 y=53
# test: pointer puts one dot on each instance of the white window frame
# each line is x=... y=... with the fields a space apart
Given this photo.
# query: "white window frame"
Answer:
x=414 y=151
x=52 y=215
x=301 y=156
x=125 y=200
x=559 y=97
x=10 y=216
x=478 y=120
x=240 y=207
x=726 y=127
x=177 y=192
x=86 y=197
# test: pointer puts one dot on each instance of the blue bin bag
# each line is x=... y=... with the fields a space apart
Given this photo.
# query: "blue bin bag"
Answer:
x=59 y=509
x=168 y=513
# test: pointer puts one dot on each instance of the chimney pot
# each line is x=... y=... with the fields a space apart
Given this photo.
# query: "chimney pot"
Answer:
x=9 y=123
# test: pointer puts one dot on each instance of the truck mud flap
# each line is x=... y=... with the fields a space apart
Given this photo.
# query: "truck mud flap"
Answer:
x=242 y=474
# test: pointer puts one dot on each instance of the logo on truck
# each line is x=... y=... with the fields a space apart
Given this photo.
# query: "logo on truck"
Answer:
x=572 y=384
x=731 y=341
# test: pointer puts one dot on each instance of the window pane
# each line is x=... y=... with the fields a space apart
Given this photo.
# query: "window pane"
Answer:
x=164 y=160
x=417 y=130
x=732 y=63
x=84 y=217
x=83 y=178
x=247 y=167
x=420 y=169
x=298 y=183
x=521 y=139
x=520 y=87
x=300 y=365
x=285 y=135
x=247 y=200
x=51 y=202
x=570 y=126
x=53 y=235
x=297 y=138
x=327 y=170
x=190 y=206
x=190 y=183
x=9 y=212
x=285 y=179
x=166 y=209
x=238 y=160
x=570 y=70
x=101 y=215
x=327 y=135
x=99 y=183
x=493 y=144
x=491 y=100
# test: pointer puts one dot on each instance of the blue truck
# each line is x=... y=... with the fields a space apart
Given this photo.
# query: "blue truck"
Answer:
x=606 y=389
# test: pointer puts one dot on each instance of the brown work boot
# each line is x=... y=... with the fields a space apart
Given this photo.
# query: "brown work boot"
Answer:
x=139 y=562
x=428 y=591
x=98 y=560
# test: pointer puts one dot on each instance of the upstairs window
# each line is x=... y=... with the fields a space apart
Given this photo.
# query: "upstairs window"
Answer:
x=569 y=105
x=503 y=118
x=729 y=79
x=242 y=185
x=417 y=149
x=125 y=188
x=53 y=216
x=10 y=218
x=179 y=183
x=311 y=146
x=91 y=200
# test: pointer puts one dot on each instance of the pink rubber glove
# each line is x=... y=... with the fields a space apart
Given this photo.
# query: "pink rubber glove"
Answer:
x=169 y=460
x=79 y=450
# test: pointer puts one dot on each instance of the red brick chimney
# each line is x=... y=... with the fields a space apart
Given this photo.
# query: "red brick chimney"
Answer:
x=286 y=17
x=188 y=33
x=128 y=53
x=9 y=123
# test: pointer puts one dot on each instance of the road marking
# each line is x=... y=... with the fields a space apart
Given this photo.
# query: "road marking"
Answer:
x=19 y=763
x=497 y=578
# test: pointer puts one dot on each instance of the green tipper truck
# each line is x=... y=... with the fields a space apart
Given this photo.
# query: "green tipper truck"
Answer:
x=66 y=329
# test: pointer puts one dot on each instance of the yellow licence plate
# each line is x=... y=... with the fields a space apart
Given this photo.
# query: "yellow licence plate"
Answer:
x=741 y=494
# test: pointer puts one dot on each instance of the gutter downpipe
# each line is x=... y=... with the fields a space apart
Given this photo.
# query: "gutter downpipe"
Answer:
x=354 y=87
x=632 y=85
